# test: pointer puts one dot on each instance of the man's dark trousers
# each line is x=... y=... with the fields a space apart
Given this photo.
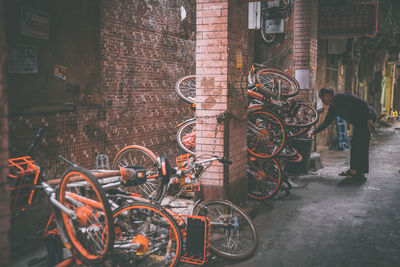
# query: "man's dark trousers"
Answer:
x=359 y=148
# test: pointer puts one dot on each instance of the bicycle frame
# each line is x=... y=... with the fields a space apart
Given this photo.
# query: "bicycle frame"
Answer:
x=25 y=177
x=26 y=165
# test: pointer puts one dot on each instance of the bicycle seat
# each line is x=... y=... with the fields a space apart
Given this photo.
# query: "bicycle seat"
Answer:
x=165 y=169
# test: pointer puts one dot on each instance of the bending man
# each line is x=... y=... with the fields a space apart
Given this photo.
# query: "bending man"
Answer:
x=355 y=111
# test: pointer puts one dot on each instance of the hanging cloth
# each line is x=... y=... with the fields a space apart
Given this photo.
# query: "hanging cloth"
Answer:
x=380 y=59
x=337 y=46
x=383 y=91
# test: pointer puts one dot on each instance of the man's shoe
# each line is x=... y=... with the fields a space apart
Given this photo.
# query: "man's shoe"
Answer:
x=356 y=176
x=344 y=173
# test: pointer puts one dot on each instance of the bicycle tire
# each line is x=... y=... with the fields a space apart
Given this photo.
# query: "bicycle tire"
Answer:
x=266 y=134
x=189 y=127
x=91 y=233
x=295 y=158
x=230 y=225
x=303 y=115
x=264 y=178
x=135 y=155
x=185 y=87
x=61 y=229
x=154 y=229
x=269 y=77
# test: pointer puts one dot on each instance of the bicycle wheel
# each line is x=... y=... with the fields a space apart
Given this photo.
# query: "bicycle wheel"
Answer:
x=264 y=176
x=303 y=115
x=90 y=231
x=232 y=235
x=276 y=81
x=185 y=87
x=146 y=236
x=293 y=131
x=186 y=136
x=140 y=156
x=297 y=157
x=265 y=134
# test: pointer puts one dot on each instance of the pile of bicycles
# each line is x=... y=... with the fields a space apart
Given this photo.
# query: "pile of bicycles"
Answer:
x=275 y=118
x=115 y=217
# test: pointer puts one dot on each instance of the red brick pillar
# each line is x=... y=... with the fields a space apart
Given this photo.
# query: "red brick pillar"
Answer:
x=221 y=65
x=4 y=191
x=306 y=45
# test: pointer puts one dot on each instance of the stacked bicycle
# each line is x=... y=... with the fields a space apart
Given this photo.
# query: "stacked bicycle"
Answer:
x=275 y=117
x=82 y=213
x=219 y=225
x=94 y=228
x=124 y=228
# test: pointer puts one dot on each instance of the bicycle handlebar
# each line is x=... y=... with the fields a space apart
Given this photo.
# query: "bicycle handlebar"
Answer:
x=225 y=161
x=35 y=140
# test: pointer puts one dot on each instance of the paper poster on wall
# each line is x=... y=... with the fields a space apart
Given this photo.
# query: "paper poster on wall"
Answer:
x=22 y=59
x=303 y=77
x=34 y=23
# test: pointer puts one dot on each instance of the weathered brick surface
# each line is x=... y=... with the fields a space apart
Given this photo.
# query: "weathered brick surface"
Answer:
x=142 y=61
x=221 y=63
x=145 y=47
x=4 y=192
x=306 y=41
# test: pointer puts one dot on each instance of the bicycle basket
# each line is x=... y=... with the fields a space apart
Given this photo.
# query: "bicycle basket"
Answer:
x=196 y=245
x=22 y=178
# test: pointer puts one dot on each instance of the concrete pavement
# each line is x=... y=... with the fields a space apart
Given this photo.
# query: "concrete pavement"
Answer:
x=330 y=221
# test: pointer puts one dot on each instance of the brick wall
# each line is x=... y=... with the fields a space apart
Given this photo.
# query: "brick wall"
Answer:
x=211 y=84
x=306 y=42
x=4 y=191
x=221 y=64
x=146 y=48
x=143 y=48
x=237 y=99
x=278 y=54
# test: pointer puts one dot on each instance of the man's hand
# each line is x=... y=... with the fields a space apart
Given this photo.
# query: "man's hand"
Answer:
x=371 y=126
x=310 y=132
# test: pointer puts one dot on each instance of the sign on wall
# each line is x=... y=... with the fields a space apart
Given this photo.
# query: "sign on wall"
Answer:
x=340 y=19
x=34 y=23
x=22 y=59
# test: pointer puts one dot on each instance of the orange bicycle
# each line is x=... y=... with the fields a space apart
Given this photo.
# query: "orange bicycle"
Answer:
x=81 y=210
x=225 y=240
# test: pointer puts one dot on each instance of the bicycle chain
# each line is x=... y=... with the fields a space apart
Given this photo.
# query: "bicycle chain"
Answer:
x=220 y=119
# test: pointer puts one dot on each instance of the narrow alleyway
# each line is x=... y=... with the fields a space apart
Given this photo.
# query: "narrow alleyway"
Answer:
x=327 y=221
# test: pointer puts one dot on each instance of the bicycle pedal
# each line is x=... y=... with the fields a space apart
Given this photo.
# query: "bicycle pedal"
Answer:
x=102 y=162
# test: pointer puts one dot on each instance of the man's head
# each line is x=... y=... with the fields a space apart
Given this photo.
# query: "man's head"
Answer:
x=326 y=96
